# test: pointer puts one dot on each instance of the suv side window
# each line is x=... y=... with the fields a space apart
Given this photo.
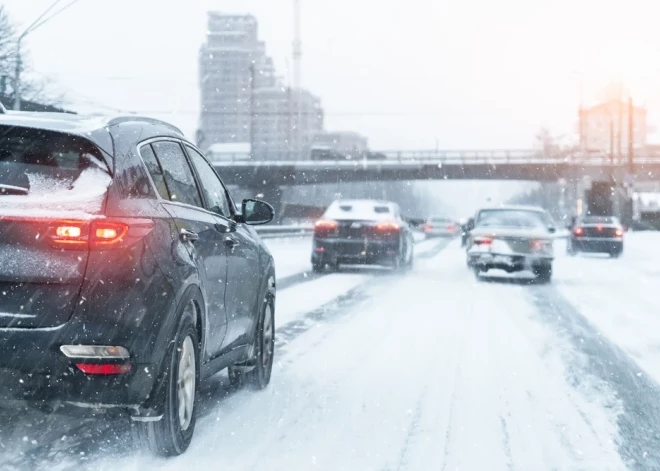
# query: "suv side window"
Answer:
x=149 y=159
x=212 y=187
x=177 y=173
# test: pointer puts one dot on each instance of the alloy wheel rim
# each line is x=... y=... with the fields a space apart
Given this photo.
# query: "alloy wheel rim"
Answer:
x=186 y=383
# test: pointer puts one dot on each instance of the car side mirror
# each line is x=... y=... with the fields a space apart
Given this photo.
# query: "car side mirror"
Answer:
x=256 y=212
x=552 y=229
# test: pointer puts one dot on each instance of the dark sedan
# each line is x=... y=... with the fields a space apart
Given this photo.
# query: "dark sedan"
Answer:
x=362 y=232
x=127 y=273
x=597 y=234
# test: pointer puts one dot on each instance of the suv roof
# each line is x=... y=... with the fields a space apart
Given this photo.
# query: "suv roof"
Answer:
x=74 y=123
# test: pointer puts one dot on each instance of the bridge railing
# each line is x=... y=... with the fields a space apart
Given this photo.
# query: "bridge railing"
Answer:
x=502 y=156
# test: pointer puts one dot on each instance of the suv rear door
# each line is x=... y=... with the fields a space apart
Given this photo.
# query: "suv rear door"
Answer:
x=200 y=232
x=51 y=185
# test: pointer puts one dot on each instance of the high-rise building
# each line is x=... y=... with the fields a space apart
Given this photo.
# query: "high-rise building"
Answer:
x=242 y=99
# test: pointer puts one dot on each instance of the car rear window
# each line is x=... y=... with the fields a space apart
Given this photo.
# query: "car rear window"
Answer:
x=600 y=220
x=355 y=210
x=510 y=218
x=46 y=168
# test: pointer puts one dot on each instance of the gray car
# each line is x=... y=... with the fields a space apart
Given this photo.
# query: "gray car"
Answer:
x=512 y=239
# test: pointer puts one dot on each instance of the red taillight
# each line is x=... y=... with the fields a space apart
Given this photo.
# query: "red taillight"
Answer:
x=578 y=231
x=387 y=226
x=483 y=241
x=387 y=229
x=104 y=368
x=98 y=234
x=451 y=227
x=325 y=227
x=428 y=228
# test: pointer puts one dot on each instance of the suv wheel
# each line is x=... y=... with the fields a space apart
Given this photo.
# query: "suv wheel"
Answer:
x=263 y=347
x=171 y=435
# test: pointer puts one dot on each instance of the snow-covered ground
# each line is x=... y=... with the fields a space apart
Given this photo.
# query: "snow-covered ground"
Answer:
x=621 y=297
x=425 y=370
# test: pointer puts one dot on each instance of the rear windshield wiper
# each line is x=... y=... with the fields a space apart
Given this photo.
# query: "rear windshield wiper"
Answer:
x=12 y=190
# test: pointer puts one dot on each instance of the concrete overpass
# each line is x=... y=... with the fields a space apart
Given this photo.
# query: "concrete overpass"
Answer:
x=437 y=165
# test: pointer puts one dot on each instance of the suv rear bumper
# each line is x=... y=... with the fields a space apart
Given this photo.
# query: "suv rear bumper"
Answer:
x=32 y=369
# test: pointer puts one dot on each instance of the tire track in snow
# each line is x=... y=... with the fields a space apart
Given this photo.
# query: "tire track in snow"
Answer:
x=639 y=423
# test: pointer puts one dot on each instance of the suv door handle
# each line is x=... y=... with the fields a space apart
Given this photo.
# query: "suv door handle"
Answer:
x=188 y=236
x=231 y=242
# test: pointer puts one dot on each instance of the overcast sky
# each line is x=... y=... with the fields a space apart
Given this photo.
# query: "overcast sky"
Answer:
x=468 y=73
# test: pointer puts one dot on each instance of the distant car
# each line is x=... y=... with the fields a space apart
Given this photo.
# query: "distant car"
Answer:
x=597 y=234
x=441 y=227
x=362 y=232
x=512 y=239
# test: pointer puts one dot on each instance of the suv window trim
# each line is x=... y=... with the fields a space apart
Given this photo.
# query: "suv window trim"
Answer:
x=224 y=188
x=160 y=199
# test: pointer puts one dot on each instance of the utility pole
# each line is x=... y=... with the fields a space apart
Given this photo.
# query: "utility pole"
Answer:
x=297 y=75
x=631 y=136
x=252 y=111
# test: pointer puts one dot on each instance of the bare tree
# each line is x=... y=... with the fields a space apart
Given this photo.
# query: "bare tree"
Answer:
x=31 y=89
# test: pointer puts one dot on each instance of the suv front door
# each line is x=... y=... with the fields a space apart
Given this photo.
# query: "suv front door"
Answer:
x=242 y=288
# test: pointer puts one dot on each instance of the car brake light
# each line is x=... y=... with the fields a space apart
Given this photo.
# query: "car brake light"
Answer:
x=98 y=234
x=104 y=368
x=428 y=227
x=578 y=231
x=619 y=233
x=451 y=227
x=325 y=227
x=387 y=226
x=326 y=224
x=387 y=229
x=483 y=241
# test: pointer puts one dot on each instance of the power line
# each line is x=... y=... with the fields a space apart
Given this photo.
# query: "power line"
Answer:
x=34 y=24
x=65 y=7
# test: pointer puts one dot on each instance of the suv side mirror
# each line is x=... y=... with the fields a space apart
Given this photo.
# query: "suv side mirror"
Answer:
x=256 y=212
x=552 y=229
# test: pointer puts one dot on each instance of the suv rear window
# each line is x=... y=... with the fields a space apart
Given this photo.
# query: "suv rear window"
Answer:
x=50 y=168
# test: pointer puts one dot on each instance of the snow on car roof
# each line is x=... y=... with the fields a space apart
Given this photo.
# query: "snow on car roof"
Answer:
x=360 y=210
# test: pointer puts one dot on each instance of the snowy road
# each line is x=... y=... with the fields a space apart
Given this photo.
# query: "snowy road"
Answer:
x=428 y=370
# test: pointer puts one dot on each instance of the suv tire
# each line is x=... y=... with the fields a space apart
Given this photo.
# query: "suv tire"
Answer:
x=263 y=346
x=172 y=434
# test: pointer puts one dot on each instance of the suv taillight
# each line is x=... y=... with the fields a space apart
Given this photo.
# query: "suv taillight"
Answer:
x=97 y=234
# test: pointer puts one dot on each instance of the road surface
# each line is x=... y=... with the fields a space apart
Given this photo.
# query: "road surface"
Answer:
x=428 y=370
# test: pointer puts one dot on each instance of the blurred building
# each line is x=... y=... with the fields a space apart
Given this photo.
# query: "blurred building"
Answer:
x=604 y=128
x=284 y=122
x=242 y=99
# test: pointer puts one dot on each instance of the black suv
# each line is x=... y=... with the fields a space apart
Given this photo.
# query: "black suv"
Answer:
x=126 y=273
